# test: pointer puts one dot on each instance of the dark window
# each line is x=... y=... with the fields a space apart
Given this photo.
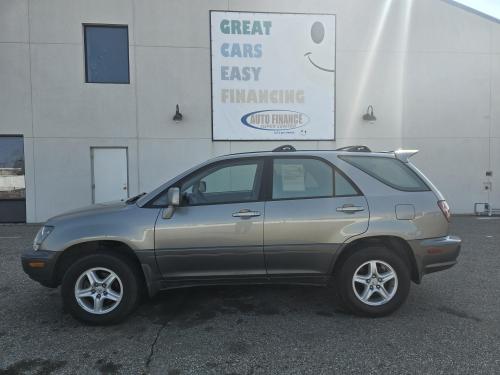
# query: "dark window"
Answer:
x=226 y=183
x=390 y=171
x=11 y=168
x=12 y=185
x=343 y=187
x=106 y=54
x=301 y=178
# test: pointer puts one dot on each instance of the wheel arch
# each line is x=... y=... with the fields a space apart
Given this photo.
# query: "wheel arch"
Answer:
x=117 y=248
x=396 y=244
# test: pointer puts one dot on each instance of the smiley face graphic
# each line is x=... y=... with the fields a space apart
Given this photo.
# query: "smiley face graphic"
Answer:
x=317 y=36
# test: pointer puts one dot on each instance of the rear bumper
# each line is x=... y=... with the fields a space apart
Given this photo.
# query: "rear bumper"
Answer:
x=435 y=254
x=40 y=266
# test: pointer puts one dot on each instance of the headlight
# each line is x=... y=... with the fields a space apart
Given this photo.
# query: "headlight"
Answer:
x=42 y=234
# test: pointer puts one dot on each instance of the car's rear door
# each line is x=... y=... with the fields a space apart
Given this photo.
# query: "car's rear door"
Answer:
x=312 y=208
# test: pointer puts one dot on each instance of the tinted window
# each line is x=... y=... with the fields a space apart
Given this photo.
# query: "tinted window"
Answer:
x=343 y=187
x=12 y=168
x=236 y=182
x=390 y=171
x=235 y=178
x=301 y=178
x=106 y=54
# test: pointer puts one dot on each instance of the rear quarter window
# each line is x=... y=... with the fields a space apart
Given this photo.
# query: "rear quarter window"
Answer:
x=389 y=171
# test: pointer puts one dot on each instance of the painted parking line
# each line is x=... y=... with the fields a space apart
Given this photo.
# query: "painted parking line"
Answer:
x=9 y=238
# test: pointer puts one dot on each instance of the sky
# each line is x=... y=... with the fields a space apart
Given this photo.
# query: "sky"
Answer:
x=489 y=7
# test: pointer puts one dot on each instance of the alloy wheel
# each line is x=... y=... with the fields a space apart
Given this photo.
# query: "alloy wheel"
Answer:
x=98 y=290
x=375 y=283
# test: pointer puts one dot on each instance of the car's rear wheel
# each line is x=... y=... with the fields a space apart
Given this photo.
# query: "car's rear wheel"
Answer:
x=100 y=288
x=373 y=281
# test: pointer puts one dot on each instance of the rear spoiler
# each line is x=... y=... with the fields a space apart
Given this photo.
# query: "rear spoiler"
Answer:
x=404 y=155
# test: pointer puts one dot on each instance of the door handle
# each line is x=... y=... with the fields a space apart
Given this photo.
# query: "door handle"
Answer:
x=246 y=213
x=350 y=209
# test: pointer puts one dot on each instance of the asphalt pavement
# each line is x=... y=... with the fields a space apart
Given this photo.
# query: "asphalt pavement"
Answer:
x=450 y=324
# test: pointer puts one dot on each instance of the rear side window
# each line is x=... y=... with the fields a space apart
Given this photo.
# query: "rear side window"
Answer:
x=301 y=178
x=343 y=188
x=392 y=172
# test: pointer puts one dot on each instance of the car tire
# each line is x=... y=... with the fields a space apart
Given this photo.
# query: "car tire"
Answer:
x=364 y=282
x=99 y=303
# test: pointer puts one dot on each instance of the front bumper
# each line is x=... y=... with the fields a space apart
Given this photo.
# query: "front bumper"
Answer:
x=41 y=266
x=435 y=254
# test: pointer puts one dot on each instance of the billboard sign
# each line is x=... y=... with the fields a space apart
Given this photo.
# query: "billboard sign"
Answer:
x=273 y=76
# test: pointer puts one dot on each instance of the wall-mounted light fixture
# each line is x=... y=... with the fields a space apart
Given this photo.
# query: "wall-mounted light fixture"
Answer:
x=369 y=116
x=178 y=115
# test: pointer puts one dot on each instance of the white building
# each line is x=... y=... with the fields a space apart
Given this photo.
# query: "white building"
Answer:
x=430 y=69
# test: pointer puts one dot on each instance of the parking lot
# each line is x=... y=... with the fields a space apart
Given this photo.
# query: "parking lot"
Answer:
x=450 y=324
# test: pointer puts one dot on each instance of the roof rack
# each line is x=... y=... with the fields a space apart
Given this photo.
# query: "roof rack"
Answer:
x=358 y=148
x=284 y=148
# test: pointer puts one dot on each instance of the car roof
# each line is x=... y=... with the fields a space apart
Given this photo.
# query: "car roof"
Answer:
x=288 y=150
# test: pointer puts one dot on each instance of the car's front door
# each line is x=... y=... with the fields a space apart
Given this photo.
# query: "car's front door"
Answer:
x=217 y=231
x=312 y=209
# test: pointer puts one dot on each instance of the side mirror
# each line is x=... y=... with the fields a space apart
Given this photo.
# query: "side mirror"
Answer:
x=202 y=186
x=174 y=196
x=173 y=200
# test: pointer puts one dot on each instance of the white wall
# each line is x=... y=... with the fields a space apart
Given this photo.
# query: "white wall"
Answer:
x=431 y=70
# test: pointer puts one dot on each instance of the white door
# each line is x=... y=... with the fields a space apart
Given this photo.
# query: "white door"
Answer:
x=109 y=174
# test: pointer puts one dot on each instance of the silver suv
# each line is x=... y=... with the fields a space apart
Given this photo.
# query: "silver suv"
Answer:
x=366 y=222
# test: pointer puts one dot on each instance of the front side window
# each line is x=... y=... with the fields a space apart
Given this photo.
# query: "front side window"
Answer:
x=301 y=178
x=106 y=54
x=226 y=183
x=390 y=171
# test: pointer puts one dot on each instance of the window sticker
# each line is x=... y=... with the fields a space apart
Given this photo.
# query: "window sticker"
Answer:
x=293 y=177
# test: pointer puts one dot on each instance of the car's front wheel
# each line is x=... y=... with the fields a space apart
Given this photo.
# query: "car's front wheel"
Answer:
x=100 y=288
x=373 y=281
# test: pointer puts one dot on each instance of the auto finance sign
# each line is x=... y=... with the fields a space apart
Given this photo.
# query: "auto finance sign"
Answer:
x=273 y=76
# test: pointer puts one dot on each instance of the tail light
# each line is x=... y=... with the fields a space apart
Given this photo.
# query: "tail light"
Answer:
x=445 y=209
